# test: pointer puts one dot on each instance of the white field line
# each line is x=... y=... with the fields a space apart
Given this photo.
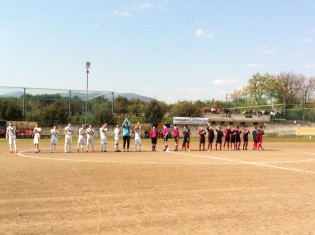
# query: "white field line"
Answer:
x=250 y=163
x=21 y=153
x=292 y=161
x=231 y=161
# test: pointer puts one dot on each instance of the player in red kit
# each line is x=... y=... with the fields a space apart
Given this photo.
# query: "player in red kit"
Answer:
x=165 y=137
x=210 y=136
x=255 y=138
x=246 y=132
x=202 y=138
x=153 y=135
x=261 y=133
x=238 y=138
x=176 y=137
x=186 y=134
x=233 y=138
x=227 y=137
x=219 y=138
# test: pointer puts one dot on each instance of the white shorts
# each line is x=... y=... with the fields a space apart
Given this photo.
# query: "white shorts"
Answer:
x=90 y=140
x=68 y=139
x=54 y=140
x=116 y=140
x=12 y=139
x=36 y=139
x=103 y=140
x=81 y=140
x=138 y=141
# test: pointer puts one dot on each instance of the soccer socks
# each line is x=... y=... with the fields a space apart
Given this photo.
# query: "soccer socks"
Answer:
x=255 y=146
x=166 y=147
x=52 y=148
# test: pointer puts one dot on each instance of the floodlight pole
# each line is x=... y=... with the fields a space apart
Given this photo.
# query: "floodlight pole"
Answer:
x=113 y=97
x=87 y=66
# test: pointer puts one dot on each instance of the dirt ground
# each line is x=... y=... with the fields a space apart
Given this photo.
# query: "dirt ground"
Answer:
x=216 y=192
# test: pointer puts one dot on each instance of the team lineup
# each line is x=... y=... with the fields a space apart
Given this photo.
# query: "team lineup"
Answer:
x=218 y=139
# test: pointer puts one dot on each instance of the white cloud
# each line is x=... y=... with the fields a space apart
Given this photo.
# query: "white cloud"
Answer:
x=123 y=13
x=305 y=40
x=310 y=65
x=298 y=53
x=227 y=82
x=268 y=51
x=146 y=5
x=308 y=40
x=251 y=65
x=199 y=33
x=188 y=90
x=151 y=89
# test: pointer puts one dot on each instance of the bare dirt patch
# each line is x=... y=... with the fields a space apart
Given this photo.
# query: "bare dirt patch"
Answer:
x=217 y=192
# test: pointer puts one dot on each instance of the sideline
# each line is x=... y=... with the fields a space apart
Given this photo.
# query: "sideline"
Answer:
x=22 y=154
x=230 y=161
x=258 y=163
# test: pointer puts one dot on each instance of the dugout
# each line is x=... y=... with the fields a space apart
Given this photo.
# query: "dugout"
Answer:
x=3 y=127
x=24 y=129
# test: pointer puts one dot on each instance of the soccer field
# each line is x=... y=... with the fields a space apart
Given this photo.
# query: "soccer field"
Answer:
x=196 y=192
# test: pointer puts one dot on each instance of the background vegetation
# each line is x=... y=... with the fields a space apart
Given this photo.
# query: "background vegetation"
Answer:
x=287 y=95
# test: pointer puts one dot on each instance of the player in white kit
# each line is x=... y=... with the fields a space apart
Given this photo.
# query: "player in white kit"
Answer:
x=90 y=138
x=68 y=138
x=117 y=132
x=137 y=133
x=53 y=139
x=81 y=139
x=103 y=139
x=37 y=130
x=10 y=134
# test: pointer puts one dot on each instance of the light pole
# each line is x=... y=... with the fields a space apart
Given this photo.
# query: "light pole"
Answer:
x=226 y=101
x=87 y=66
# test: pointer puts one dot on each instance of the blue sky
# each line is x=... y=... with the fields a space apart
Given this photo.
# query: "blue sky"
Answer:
x=168 y=49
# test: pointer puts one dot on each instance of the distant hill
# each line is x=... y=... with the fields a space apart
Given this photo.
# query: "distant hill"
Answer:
x=80 y=94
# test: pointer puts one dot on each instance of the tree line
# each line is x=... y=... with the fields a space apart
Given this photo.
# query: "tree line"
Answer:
x=288 y=88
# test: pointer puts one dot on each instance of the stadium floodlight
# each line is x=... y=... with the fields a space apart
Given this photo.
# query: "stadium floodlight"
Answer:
x=87 y=66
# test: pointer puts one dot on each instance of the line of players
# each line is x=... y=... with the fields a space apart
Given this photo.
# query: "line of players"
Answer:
x=82 y=133
x=231 y=137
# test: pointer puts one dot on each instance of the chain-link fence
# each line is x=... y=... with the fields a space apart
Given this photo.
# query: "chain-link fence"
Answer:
x=31 y=104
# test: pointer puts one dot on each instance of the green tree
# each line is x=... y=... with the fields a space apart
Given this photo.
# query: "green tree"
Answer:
x=259 y=88
x=10 y=110
x=56 y=113
x=153 y=112
x=136 y=106
x=308 y=89
x=77 y=106
x=290 y=88
x=102 y=116
x=186 y=109
x=121 y=104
